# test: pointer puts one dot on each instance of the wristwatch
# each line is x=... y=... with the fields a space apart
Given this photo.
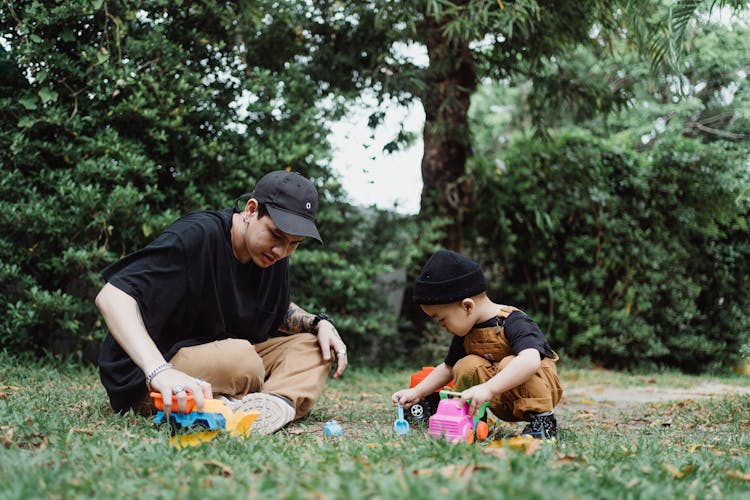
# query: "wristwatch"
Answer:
x=318 y=318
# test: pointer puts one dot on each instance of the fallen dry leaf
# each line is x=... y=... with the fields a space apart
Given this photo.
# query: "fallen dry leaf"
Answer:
x=570 y=458
x=534 y=446
x=463 y=472
x=678 y=473
x=82 y=431
x=8 y=437
x=521 y=443
x=499 y=452
x=219 y=468
x=738 y=475
x=34 y=441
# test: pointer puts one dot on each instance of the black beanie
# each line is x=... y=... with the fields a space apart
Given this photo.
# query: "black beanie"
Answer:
x=448 y=277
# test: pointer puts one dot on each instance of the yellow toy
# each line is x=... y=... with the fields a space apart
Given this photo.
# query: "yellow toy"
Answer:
x=214 y=417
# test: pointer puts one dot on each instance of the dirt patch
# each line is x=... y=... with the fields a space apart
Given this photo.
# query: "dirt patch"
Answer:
x=615 y=400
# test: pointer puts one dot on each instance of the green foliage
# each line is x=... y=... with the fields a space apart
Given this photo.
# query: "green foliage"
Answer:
x=627 y=253
x=628 y=260
x=349 y=279
x=668 y=37
x=119 y=117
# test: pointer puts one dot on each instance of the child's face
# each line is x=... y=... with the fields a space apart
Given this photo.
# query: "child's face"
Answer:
x=456 y=318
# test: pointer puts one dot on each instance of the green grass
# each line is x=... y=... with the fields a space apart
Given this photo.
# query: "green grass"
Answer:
x=61 y=440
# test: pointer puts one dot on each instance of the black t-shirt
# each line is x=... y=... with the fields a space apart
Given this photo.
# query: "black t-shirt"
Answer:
x=521 y=332
x=190 y=290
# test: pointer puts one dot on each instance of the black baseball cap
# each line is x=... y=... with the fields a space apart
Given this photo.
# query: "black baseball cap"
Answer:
x=291 y=200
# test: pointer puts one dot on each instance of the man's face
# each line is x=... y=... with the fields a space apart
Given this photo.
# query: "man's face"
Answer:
x=267 y=243
x=455 y=318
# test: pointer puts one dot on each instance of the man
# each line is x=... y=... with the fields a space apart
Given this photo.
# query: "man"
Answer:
x=205 y=308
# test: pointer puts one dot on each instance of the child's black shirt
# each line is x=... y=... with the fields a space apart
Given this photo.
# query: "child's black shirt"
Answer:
x=520 y=331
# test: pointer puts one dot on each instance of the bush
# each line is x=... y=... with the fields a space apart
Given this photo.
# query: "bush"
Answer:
x=120 y=117
x=621 y=258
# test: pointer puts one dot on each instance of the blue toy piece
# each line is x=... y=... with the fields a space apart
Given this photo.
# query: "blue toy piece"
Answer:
x=333 y=429
x=401 y=426
x=180 y=422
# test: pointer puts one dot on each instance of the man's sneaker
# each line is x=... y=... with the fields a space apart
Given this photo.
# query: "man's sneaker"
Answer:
x=542 y=425
x=275 y=411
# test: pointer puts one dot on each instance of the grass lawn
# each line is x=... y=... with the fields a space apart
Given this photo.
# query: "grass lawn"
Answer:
x=61 y=440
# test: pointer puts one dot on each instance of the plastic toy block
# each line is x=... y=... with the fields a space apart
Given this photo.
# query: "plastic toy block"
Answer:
x=333 y=429
x=419 y=376
x=198 y=419
x=159 y=402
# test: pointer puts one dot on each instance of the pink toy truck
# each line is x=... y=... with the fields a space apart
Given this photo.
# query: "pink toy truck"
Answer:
x=453 y=423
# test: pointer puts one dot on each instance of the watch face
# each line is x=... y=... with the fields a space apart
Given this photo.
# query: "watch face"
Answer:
x=318 y=318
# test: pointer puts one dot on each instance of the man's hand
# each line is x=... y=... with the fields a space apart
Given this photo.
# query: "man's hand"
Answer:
x=330 y=340
x=175 y=382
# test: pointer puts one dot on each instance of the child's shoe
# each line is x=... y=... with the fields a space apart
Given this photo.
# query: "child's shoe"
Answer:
x=541 y=426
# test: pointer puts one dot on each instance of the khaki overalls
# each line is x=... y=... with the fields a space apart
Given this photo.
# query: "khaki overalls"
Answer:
x=487 y=353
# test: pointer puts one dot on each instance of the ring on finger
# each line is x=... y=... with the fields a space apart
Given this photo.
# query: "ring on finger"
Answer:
x=177 y=388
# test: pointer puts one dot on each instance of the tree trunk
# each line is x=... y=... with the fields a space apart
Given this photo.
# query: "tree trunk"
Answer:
x=450 y=81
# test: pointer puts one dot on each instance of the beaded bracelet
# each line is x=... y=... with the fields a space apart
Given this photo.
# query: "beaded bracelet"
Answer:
x=156 y=371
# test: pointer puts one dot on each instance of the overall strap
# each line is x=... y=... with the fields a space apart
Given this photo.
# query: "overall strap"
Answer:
x=505 y=311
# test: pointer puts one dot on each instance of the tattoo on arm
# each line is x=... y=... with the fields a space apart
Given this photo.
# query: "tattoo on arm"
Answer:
x=296 y=320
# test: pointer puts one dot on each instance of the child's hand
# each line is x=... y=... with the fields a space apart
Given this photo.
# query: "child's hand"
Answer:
x=406 y=397
x=476 y=396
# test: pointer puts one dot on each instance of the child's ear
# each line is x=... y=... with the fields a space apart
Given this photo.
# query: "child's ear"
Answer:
x=468 y=305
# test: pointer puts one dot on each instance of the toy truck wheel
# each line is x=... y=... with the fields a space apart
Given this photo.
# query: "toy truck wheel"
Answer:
x=483 y=430
x=469 y=434
x=424 y=409
x=416 y=412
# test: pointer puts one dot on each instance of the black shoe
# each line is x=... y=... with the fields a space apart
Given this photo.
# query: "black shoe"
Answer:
x=541 y=426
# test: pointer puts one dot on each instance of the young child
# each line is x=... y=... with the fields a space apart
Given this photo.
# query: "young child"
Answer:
x=498 y=354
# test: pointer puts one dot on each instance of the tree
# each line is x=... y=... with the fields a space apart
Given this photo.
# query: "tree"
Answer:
x=361 y=46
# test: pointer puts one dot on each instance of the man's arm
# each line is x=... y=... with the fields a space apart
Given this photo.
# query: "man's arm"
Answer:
x=121 y=314
x=297 y=320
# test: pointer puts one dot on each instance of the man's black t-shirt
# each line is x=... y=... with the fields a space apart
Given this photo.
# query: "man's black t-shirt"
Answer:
x=190 y=290
x=521 y=332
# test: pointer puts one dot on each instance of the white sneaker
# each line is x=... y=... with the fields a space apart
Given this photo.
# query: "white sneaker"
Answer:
x=274 y=411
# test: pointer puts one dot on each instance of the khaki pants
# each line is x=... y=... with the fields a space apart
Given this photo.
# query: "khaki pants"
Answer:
x=539 y=394
x=290 y=366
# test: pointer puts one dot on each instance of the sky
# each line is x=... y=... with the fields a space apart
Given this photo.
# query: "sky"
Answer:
x=371 y=176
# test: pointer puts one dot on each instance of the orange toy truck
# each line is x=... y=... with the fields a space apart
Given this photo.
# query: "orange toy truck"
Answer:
x=427 y=406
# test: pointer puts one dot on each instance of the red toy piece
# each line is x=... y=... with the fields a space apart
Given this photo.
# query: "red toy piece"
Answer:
x=425 y=407
x=159 y=402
